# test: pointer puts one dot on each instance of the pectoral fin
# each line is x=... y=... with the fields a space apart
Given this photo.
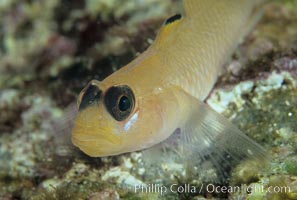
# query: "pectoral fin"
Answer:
x=211 y=137
x=208 y=141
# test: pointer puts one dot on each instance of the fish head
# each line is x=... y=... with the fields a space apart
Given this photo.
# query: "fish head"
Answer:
x=117 y=119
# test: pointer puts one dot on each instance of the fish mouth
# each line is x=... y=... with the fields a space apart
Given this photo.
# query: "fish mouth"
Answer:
x=99 y=139
x=94 y=135
x=97 y=147
x=91 y=148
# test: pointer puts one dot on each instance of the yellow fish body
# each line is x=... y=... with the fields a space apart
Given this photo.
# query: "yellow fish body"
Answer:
x=162 y=90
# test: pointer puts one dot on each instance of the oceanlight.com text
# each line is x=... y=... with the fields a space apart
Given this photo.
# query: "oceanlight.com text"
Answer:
x=210 y=188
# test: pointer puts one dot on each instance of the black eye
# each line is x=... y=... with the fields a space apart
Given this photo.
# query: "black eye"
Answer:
x=119 y=102
x=124 y=103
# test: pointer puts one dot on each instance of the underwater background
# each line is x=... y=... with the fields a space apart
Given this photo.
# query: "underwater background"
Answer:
x=49 y=50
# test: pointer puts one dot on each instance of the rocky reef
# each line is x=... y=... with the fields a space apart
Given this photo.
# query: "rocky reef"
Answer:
x=49 y=50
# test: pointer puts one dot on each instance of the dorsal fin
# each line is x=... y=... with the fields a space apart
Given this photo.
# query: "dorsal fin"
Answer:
x=169 y=25
x=173 y=19
x=201 y=12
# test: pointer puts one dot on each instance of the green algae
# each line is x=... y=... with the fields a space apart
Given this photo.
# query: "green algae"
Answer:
x=262 y=118
x=86 y=189
x=292 y=4
x=67 y=191
x=291 y=167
